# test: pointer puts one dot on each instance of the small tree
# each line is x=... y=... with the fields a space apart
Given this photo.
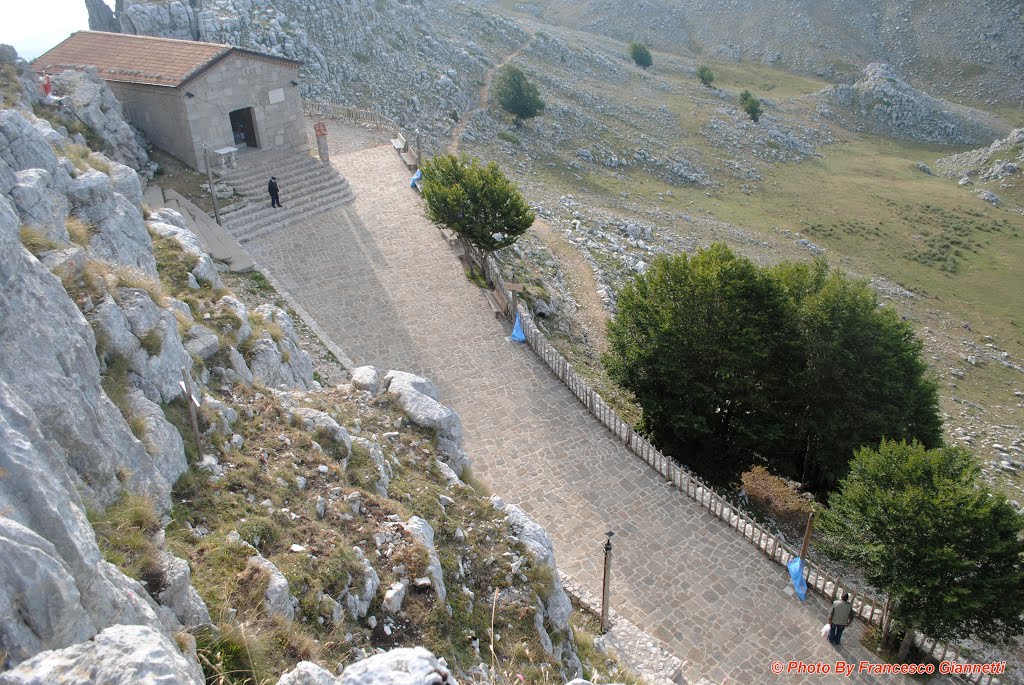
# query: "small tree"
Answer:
x=751 y=105
x=516 y=94
x=924 y=529
x=478 y=202
x=705 y=75
x=641 y=55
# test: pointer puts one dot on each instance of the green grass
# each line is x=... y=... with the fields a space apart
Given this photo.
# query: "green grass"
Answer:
x=124 y=534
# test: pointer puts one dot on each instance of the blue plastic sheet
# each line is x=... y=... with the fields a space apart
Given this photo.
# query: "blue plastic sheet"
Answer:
x=418 y=176
x=517 y=331
x=796 y=573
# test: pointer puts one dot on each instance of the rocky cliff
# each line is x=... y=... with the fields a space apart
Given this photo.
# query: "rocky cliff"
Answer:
x=300 y=524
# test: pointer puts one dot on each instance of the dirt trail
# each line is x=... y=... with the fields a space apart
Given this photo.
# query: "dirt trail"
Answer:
x=485 y=93
x=582 y=284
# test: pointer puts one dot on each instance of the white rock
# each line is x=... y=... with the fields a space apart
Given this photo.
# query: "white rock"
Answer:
x=422 y=532
x=180 y=596
x=366 y=378
x=314 y=420
x=307 y=673
x=394 y=597
x=120 y=655
x=402 y=666
x=277 y=599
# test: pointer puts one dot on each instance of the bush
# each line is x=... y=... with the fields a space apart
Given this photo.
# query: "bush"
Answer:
x=705 y=75
x=641 y=55
x=751 y=105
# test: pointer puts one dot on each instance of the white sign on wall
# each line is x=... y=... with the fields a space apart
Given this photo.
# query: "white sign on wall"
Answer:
x=276 y=96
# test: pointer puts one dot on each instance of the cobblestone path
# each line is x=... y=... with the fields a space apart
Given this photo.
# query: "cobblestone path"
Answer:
x=382 y=282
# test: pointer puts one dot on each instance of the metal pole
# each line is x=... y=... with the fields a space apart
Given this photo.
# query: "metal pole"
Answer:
x=209 y=176
x=417 y=148
x=606 y=585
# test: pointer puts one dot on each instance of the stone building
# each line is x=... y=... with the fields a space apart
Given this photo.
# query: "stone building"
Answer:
x=185 y=94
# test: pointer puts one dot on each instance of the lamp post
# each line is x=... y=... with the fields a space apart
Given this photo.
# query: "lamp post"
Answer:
x=606 y=585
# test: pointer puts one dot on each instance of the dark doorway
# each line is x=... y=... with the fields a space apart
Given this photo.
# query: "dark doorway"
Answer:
x=243 y=127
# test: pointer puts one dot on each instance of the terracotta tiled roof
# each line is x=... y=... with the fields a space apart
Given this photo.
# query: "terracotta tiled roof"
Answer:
x=136 y=59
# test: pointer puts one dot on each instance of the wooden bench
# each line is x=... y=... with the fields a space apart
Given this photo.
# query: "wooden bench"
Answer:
x=497 y=301
x=399 y=142
x=410 y=159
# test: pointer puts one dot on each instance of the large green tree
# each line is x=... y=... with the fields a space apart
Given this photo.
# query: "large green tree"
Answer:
x=703 y=343
x=476 y=201
x=862 y=374
x=922 y=527
x=516 y=94
x=793 y=367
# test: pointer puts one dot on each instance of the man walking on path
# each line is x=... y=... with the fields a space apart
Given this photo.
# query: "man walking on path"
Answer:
x=272 y=189
x=840 y=617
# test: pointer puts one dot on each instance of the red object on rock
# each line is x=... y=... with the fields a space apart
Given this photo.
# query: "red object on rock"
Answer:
x=46 y=85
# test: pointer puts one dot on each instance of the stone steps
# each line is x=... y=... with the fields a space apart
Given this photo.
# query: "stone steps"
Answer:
x=282 y=219
x=307 y=189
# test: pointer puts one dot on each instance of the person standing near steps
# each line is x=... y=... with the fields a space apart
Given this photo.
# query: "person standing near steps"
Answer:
x=272 y=189
x=840 y=617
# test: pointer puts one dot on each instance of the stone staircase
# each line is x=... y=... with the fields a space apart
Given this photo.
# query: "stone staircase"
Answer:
x=307 y=188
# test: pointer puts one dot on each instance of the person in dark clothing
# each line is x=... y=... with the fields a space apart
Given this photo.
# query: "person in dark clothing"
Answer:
x=272 y=189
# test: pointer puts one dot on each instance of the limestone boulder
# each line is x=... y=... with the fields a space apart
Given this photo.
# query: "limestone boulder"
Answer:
x=557 y=607
x=119 y=655
x=384 y=469
x=317 y=421
x=280 y=363
x=359 y=597
x=307 y=673
x=204 y=270
x=120 y=233
x=402 y=666
x=22 y=146
x=160 y=438
x=40 y=205
x=278 y=600
x=156 y=370
x=402 y=382
x=238 y=309
x=125 y=180
x=366 y=378
x=179 y=595
x=422 y=532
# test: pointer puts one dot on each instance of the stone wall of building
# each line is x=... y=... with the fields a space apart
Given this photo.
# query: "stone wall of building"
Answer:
x=159 y=113
x=240 y=81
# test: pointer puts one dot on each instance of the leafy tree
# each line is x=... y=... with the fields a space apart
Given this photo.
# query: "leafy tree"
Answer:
x=641 y=55
x=705 y=75
x=478 y=202
x=516 y=94
x=862 y=375
x=702 y=342
x=792 y=367
x=923 y=528
x=751 y=105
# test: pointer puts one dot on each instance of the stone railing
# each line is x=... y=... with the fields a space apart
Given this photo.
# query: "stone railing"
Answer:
x=760 y=534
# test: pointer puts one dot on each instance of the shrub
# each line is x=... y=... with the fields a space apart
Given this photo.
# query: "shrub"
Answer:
x=641 y=55
x=79 y=231
x=751 y=105
x=705 y=75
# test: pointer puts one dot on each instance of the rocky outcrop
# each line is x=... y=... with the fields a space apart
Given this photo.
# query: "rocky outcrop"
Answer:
x=883 y=103
x=85 y=97
x=120 y=655
x=279 y=360
x=402 y=666
x=417 y=396
x=1003 y=158
x=424 y=534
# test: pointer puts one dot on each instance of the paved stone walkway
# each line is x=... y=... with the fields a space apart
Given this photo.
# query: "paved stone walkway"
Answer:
x=381 y=281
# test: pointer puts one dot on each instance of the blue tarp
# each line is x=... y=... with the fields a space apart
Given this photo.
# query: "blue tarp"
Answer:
x=517 y=331
x=418 y=176
x=796 y=573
